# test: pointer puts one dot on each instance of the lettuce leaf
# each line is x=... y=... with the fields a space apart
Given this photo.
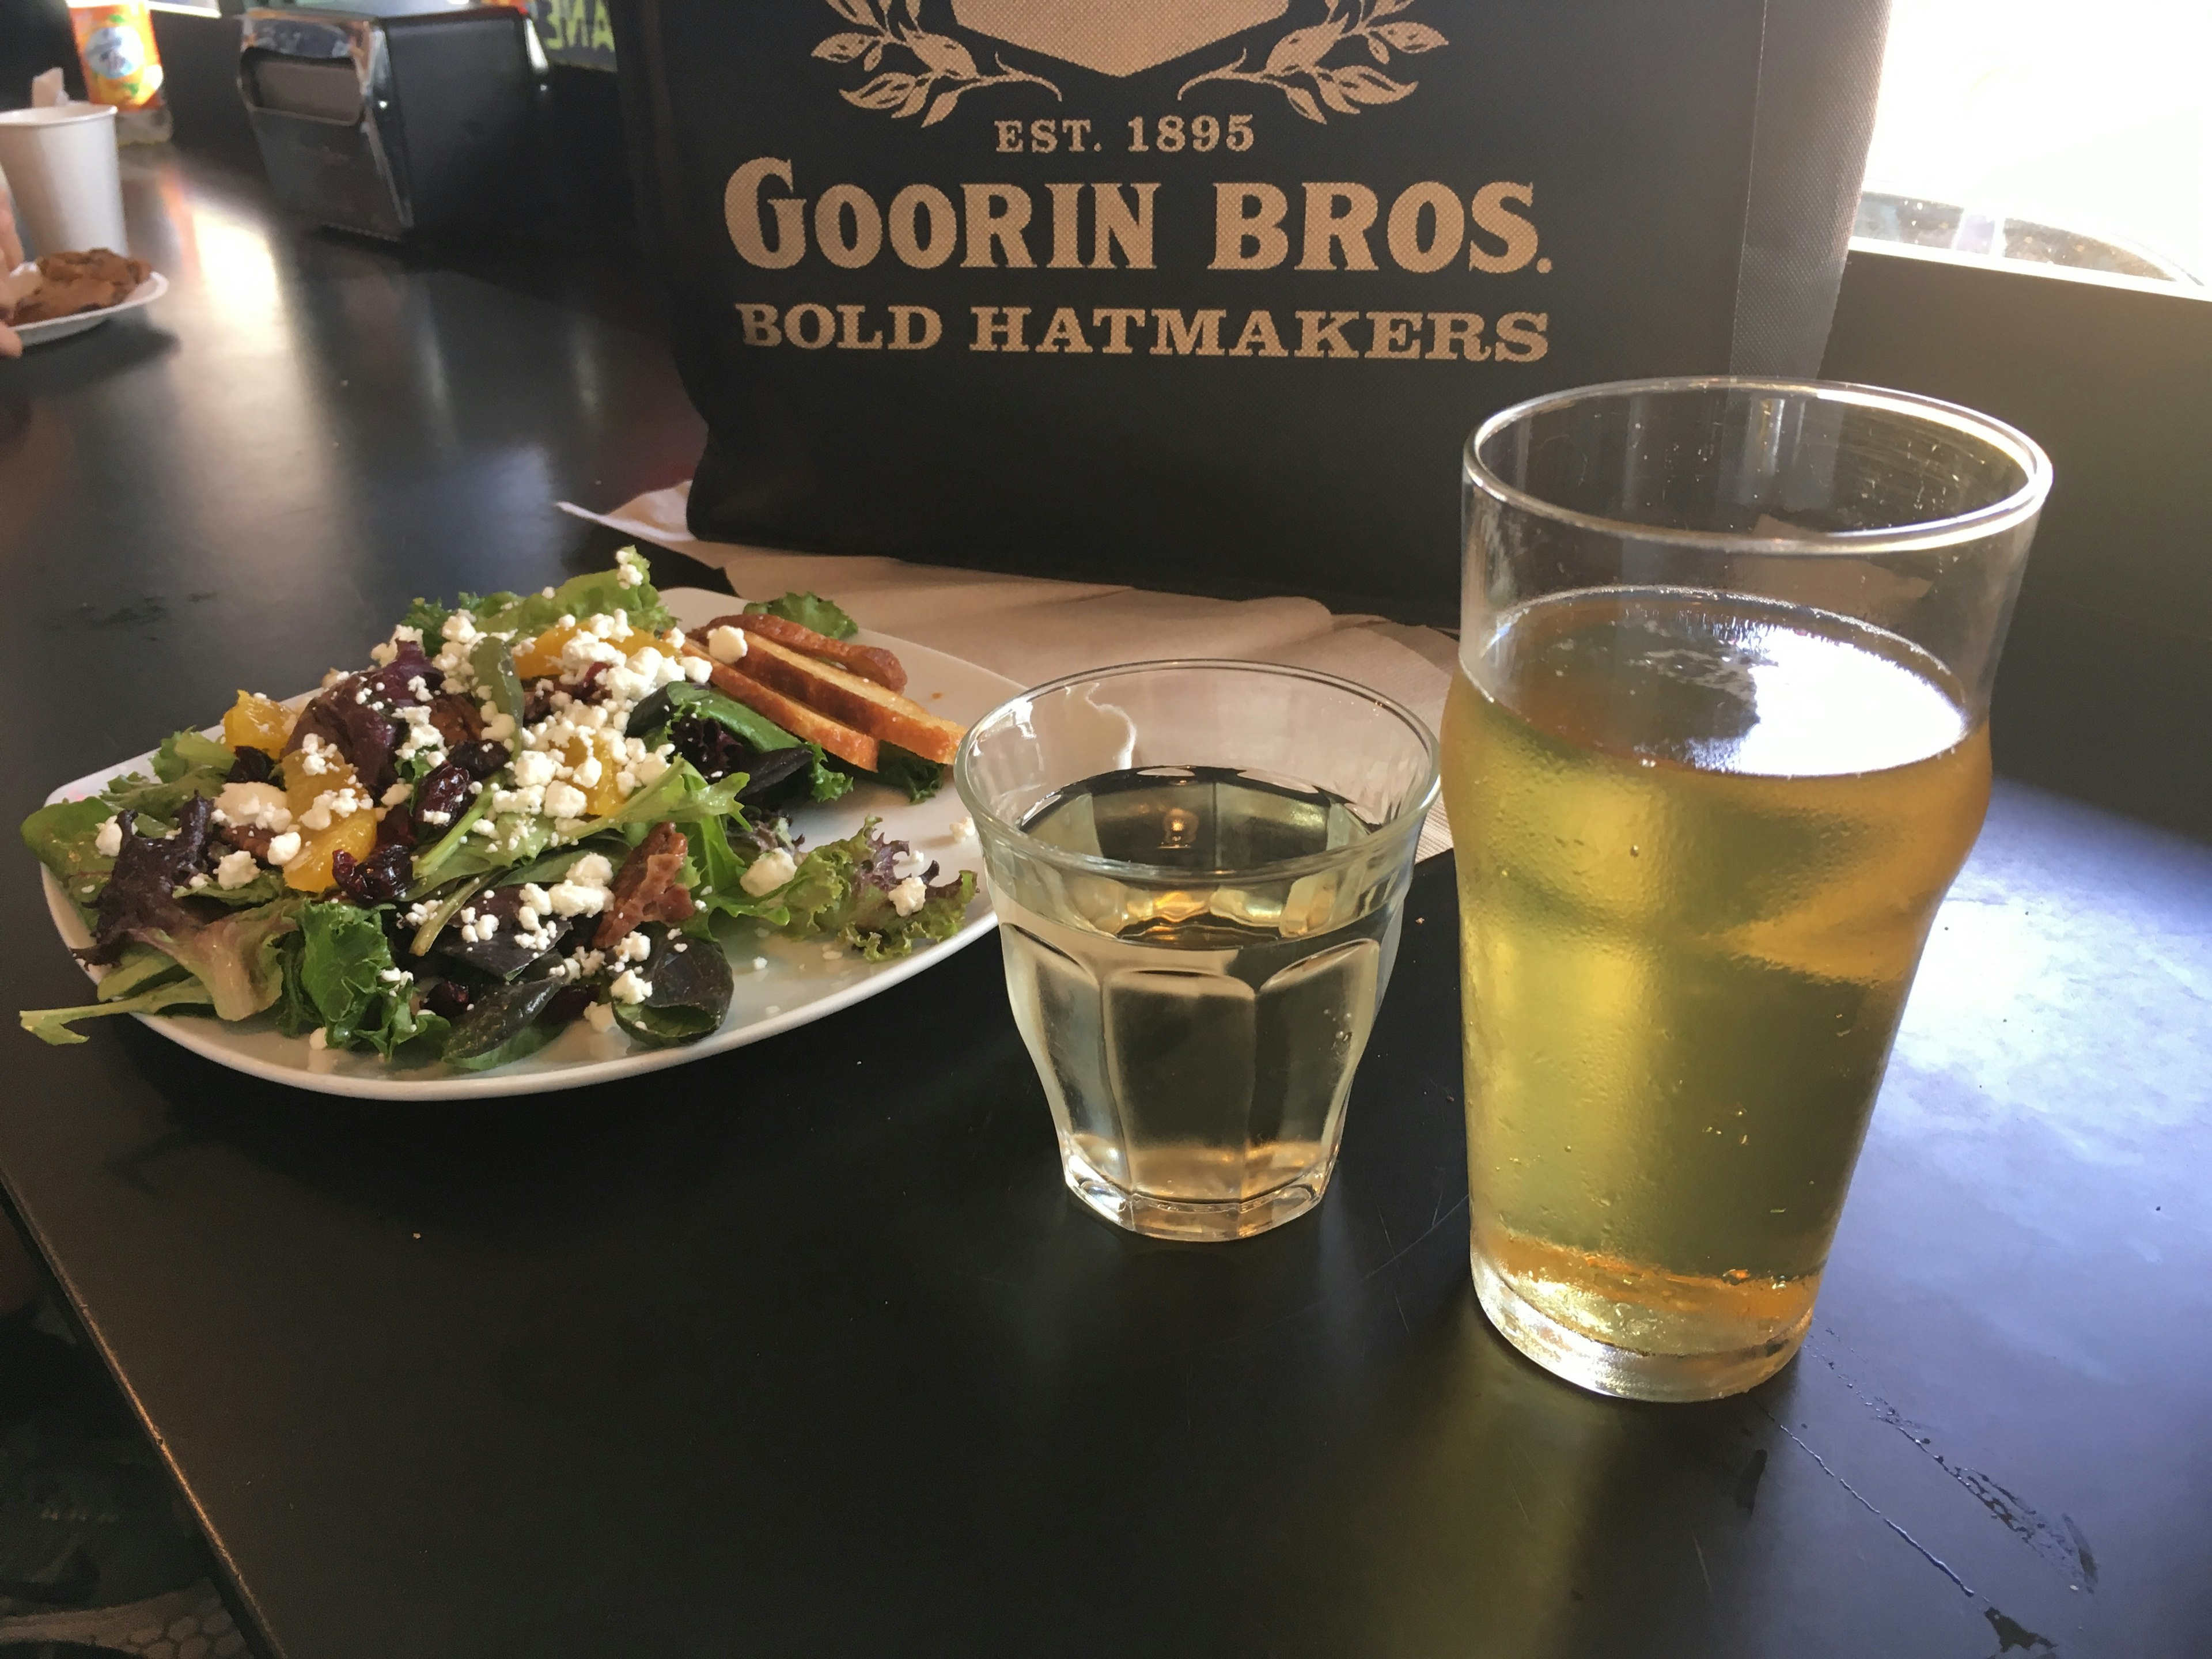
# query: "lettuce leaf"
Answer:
x=597 y=592
x=657 y=711
x=140 y=967
x=902 y=768
x=843 y=887
x=61 y=837
x=235 y=957
x=808 y=610
x=503 y=1026
x=186 y=764
x=342 y=960
x=690 y=995
x=495 y=678
x=679 y=796
x=53 y=1025
x=863 y=916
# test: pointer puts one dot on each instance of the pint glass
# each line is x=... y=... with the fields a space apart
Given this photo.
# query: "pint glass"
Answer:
x=1718 y=743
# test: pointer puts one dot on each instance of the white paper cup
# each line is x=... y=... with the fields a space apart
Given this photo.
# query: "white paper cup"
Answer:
x=60 y=163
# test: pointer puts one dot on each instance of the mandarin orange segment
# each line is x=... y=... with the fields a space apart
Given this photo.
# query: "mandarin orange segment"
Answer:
x=310 y=873
x=257 y=722
x=302 y=788
x=606 y=795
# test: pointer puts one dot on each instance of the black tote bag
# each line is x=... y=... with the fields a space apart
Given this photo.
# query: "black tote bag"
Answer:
x=1208 y=294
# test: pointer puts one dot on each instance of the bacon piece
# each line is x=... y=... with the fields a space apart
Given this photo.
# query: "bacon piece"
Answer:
x=870 y=662
x=645 y=888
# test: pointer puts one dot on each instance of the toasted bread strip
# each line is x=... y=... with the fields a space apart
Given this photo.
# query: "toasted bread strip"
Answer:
x=862 y=704
x=796 y=717
x=870 y=662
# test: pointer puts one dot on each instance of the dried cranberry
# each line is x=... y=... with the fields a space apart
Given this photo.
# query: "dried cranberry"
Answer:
x=395 y=829
x=449 y=998
x=441 y=801
x=540 y=702
x=251 y=766
x=480 y=759
x=588 y=689
x=377 y=880
x=567 y=1004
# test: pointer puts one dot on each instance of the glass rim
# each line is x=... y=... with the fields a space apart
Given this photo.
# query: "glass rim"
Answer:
x=1407 y=820
x=2015 y=509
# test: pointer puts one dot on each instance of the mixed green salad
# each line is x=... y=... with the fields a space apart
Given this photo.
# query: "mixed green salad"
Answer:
x=526 y=810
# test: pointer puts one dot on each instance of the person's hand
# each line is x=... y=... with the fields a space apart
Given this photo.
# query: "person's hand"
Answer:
x=11 y=255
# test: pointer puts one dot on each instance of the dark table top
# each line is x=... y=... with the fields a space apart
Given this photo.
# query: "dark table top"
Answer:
x=805 y=1349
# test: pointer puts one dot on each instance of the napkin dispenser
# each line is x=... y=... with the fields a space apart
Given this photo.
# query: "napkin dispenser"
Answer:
x=394 y=117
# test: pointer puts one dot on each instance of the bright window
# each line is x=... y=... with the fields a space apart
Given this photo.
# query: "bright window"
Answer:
x=2048 y=130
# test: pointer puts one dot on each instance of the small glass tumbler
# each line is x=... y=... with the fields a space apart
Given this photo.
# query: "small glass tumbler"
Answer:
x=1199 y=870
x=1718 y=744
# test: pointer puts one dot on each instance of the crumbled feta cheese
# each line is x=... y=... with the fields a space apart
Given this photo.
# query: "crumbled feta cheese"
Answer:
x=629 y=987
x=564 y=801
x=759 y=962
x=587 y=772
x=727 y=644
x=283 y=848
x=648 y=769
x=600 y=1016
x=460 y=628
x=333 y=804
x=235 y=869
x=630 y=568
x=964 y=828
x=398 y=795
x=632 y=947
x=396 y=976
x=484 y=827
x=499 y=727
x=572 y=898
x=199 y=880
x=767 y=872
x=579 y=651
x=533 y=897
x=698 y=669
x=319 y=1039
x=533 y=767
x=592 y=870
x=255 y=804
x=909 y=895
x=108 y=841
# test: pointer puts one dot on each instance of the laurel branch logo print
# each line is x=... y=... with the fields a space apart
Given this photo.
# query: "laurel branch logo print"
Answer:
x=1301 y=54
x=916 y=71
x=941 y=61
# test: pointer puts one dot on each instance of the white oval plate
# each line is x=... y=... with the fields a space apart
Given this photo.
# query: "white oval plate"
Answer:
x=60 y=328
x=804 y=980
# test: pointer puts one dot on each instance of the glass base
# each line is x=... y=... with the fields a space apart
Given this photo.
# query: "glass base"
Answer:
x=1192 y=1222
x=1625 y=1373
